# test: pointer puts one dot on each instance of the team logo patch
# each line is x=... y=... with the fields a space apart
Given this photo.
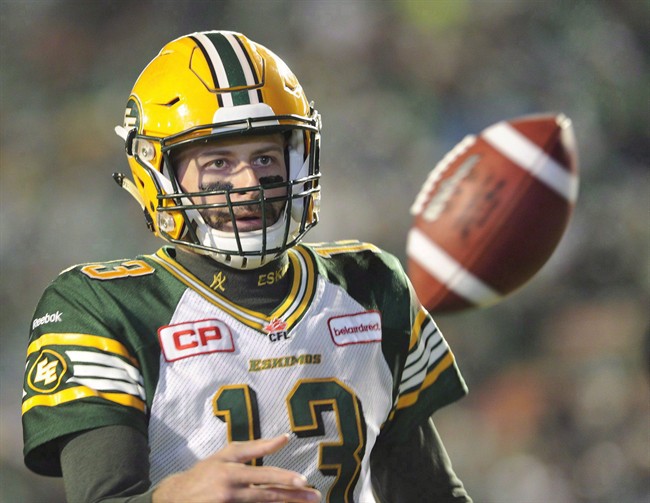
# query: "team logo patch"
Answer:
x=193 y=338
x=359 y=328
x=219 y=281
x=47 y=371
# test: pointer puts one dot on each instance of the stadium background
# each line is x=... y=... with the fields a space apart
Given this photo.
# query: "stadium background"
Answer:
x=559 y=406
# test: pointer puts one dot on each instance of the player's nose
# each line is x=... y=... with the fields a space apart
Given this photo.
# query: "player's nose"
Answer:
x=246 y=176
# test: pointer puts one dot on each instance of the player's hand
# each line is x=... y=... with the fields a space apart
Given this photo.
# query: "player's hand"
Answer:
x=224 y=478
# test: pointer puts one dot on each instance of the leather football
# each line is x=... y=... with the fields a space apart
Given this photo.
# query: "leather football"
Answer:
x=492 y=212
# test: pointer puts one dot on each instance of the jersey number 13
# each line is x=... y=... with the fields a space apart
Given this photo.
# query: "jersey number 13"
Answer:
x=237 y=406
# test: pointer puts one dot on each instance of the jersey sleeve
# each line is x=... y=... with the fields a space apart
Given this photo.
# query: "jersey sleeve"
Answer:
x=80 y=372
x=416 y=469
x=426 y=374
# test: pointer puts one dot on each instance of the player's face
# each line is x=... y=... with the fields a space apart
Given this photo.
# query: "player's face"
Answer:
x=235 y=163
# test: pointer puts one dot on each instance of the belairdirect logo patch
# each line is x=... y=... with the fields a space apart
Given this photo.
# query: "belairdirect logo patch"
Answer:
x=358 y=328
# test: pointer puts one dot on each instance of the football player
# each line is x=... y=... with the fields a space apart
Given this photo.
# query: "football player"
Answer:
x=236 y=363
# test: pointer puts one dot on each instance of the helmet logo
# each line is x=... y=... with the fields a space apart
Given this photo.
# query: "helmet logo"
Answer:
x=132 y=115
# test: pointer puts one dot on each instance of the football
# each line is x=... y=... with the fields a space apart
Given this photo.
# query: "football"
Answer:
x=492 y=212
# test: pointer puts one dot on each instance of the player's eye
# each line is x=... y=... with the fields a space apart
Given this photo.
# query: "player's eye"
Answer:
x=265 y=160
x=217 y=164
x=268 y=161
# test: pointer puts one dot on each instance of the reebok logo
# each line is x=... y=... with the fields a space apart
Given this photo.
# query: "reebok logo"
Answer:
x=48 y=318
x=359 y=328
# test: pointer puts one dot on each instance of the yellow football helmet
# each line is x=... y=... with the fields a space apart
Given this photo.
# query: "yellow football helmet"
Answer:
x=209 y=85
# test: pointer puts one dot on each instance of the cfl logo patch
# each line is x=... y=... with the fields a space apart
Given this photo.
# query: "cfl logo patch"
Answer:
x=277 y=330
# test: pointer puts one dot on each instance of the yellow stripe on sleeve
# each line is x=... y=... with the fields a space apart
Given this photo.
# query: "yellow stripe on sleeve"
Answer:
x=409 y=399
x=79 y=392
x=344 y=247
x=416 y=329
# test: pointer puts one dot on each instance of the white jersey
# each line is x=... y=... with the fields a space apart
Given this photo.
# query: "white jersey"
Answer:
x=349 y=355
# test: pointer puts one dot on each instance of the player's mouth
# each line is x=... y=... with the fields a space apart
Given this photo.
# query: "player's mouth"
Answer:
x=253 y=219
x=249 y=222
x=246 y=220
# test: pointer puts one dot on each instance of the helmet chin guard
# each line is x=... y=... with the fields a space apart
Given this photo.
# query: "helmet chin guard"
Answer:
x=210 y=86
x=246 y=242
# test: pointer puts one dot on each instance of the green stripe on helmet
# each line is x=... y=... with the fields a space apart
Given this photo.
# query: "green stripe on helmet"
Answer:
x=233 y=66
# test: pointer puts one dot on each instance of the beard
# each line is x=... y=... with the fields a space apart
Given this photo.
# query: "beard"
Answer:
x=223 y=220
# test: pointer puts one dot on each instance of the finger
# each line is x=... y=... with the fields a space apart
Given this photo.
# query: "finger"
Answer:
x=242 y=452
x=276 y=494
x=262 y=476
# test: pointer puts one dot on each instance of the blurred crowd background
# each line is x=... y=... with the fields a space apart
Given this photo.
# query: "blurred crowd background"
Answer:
x=559 y=404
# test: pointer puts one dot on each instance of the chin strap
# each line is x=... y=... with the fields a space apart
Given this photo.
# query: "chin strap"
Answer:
x=122 y=132
x=127 y=135
x=130 y=187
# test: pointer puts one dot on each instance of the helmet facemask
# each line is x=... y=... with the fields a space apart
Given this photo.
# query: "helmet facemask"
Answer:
x=296 y=210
